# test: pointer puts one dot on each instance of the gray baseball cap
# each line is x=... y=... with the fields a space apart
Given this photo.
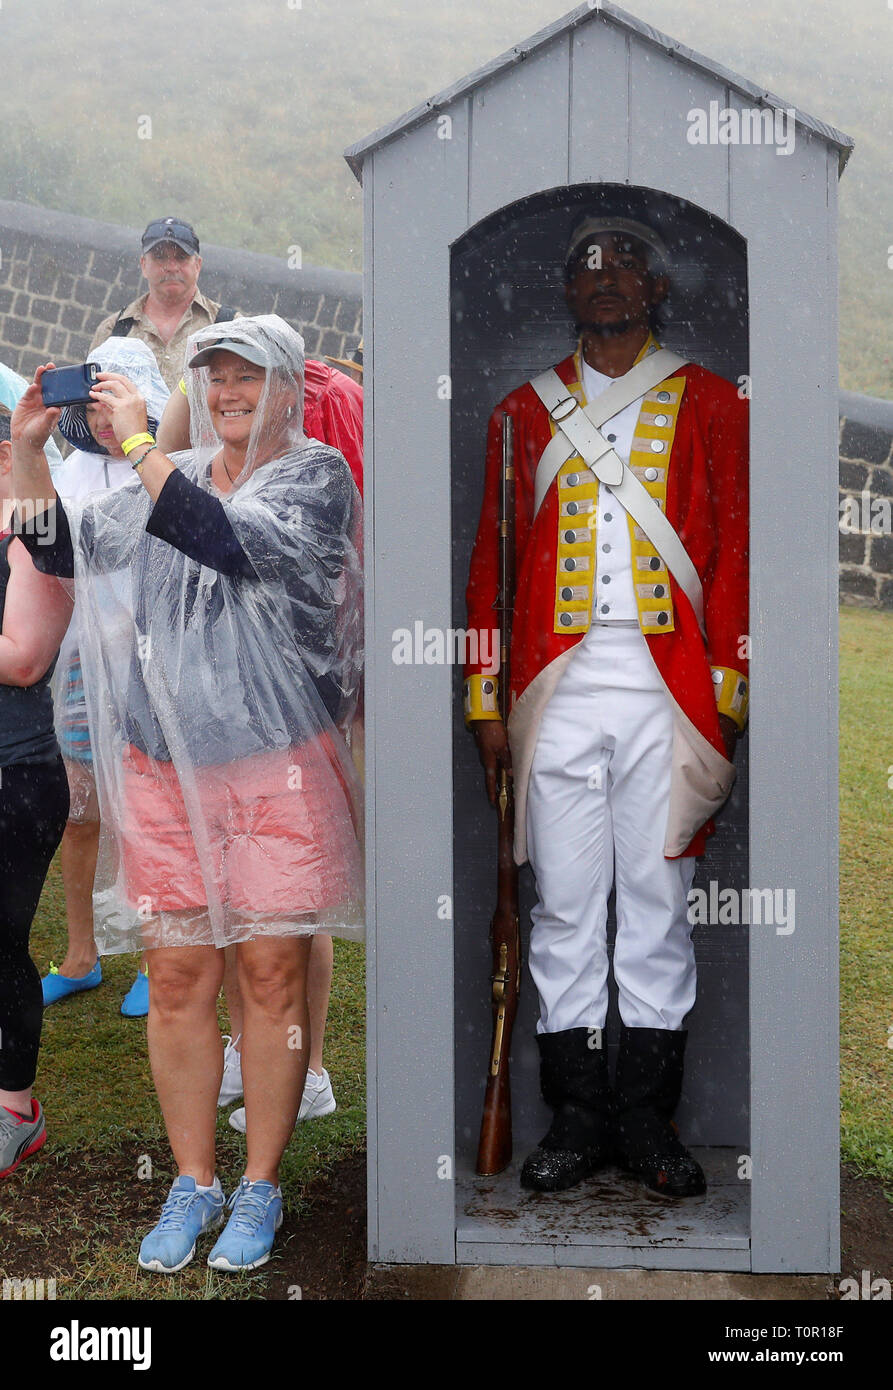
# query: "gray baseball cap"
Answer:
x=252 y=352
x=170 y=229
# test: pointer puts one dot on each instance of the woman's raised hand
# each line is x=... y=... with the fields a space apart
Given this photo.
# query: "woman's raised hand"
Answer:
x=124 y=403
x=32 y=422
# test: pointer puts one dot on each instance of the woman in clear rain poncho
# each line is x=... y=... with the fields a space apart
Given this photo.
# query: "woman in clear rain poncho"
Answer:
x=224 y=766
x=96 y=464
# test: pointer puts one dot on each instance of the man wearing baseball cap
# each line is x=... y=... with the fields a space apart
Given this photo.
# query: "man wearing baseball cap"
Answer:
x=174 y=306
x=628 y=691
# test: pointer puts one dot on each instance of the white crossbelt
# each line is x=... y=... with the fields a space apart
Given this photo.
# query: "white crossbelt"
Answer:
x=578 y=433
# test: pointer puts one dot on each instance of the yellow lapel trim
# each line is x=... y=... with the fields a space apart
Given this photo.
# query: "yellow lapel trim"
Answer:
x=578 y=505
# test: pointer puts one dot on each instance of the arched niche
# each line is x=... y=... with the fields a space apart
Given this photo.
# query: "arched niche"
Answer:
x=508 y=322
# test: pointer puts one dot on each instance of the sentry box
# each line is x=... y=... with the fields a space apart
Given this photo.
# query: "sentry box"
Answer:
x=468 y=203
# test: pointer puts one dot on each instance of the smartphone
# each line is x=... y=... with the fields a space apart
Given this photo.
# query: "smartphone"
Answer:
x=69 y=385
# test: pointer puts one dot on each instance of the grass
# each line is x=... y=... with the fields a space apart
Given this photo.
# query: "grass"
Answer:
x=866 y=876
x=107 y=1136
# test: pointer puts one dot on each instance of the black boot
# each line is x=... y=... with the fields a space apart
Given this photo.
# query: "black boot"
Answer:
x=647 y=1088
x=575 y=1083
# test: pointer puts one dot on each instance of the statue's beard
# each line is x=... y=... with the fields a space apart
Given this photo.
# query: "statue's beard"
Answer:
x=602 y=330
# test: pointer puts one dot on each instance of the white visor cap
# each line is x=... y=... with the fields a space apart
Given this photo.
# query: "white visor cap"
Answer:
x=618 y=226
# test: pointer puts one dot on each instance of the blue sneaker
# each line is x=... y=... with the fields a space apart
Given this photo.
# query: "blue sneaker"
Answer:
x=56 y=986
x=251 y=1230
x=136 y=1000
x=187 y=1213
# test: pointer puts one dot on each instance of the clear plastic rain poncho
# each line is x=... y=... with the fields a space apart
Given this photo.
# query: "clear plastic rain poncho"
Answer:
x=221 y=708
x=86 y=471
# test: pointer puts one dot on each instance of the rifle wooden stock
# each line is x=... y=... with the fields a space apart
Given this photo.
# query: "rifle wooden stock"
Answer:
x=495 y=1143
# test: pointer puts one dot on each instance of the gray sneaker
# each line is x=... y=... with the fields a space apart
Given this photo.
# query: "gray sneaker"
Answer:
x=19 y=1138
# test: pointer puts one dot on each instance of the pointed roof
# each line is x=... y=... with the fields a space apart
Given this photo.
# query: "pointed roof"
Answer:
x=603 y=12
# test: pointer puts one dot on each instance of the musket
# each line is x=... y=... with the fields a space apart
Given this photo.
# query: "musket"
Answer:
x=495 y=1143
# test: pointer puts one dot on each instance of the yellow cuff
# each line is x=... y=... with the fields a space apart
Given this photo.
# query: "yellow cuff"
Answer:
x=134 y=441
x=481 y=698
x=732 y=692
x=182 y=385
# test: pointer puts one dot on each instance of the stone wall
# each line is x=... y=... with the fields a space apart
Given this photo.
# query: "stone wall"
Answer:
x=866 y=495
x=61 y=275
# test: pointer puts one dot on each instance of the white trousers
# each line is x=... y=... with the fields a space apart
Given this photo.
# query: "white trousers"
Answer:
x=597 y=812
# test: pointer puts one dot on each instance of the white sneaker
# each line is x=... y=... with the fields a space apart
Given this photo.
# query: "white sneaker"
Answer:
x=231 y=1085
x=318 y=1100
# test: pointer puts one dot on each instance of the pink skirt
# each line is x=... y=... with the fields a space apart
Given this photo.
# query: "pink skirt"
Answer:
x=271 y=834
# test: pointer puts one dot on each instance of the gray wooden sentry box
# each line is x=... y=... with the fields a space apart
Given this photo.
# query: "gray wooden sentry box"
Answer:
x=468 y=203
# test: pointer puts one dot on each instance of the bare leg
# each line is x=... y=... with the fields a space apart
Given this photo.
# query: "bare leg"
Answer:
x=20 y=1101
x=273 y=975
x=232 y=991
x=319 y=986
x=184 y=1049
x=80 y=845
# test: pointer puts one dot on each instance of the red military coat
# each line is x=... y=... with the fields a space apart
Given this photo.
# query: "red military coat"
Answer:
x=704 y=489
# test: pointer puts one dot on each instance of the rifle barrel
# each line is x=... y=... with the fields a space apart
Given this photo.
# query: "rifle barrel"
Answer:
x=495 y=1145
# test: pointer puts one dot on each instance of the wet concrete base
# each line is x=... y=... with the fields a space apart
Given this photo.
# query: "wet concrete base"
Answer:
x=609 y=1221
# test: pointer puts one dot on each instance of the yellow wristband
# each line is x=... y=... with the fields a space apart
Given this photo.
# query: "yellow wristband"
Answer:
x=135 y=439
x=182 y=385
